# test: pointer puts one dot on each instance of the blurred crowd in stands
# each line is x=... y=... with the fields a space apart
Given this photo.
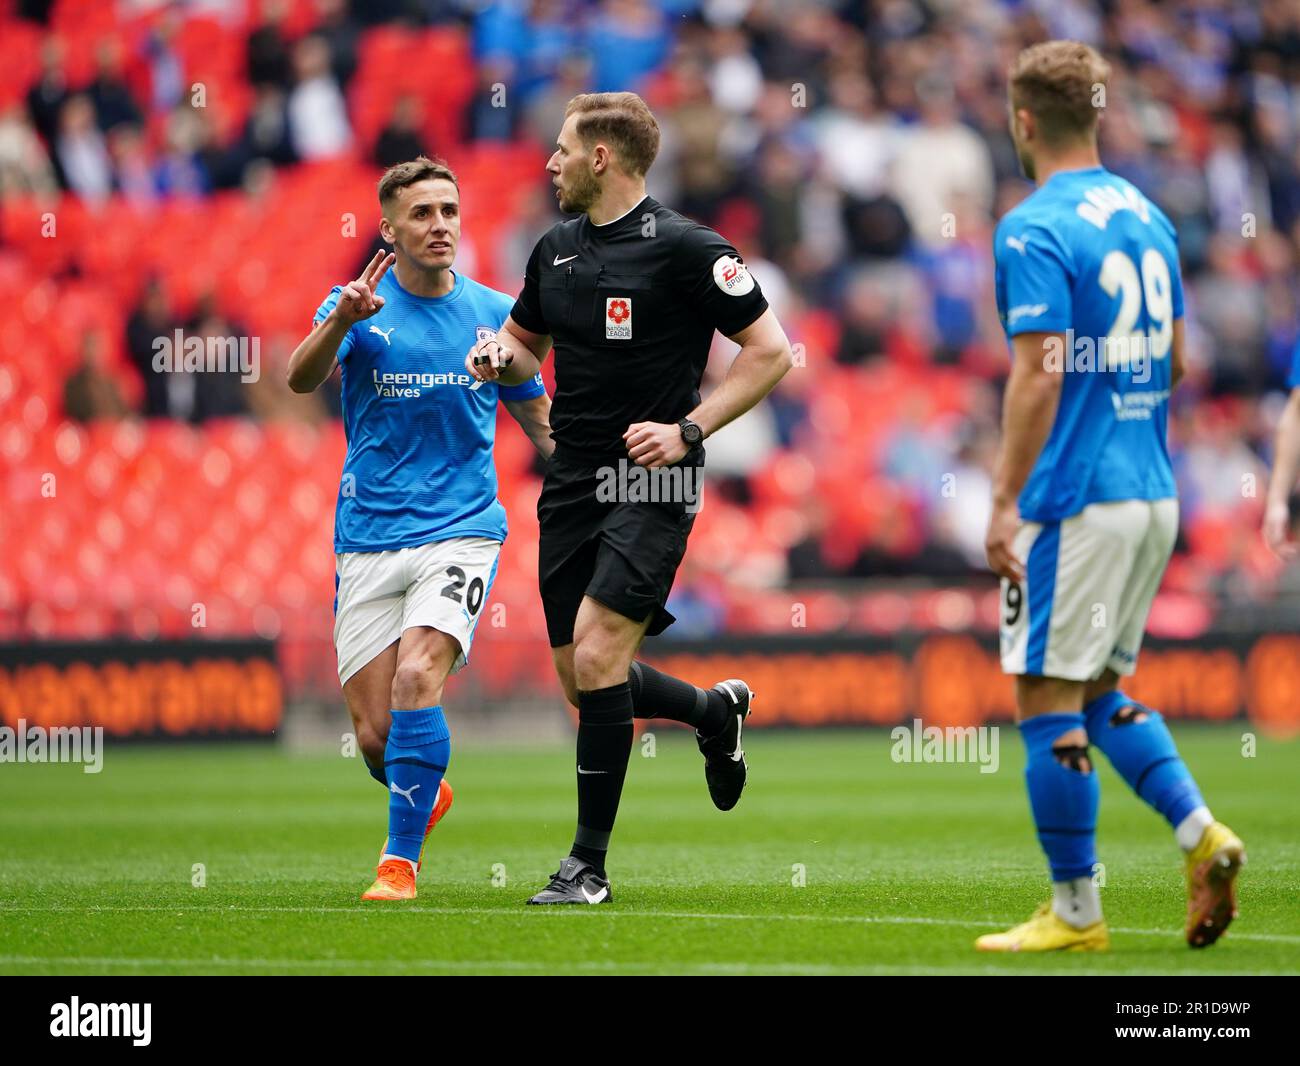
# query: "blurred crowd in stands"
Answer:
x=856 y=152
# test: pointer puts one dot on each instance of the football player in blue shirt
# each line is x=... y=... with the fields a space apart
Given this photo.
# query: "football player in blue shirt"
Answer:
x=1278 y=524
x=418 y=526
x=1085 y=512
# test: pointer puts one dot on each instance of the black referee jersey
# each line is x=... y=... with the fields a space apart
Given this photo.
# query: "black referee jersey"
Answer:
x=631 y=307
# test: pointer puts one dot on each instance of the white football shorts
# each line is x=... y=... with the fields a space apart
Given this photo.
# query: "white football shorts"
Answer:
x=379 y=595
x=1089 y=583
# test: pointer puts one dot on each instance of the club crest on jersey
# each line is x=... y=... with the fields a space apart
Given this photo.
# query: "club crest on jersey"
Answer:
x=484 y=333
x=732 y=276
x=618 y=318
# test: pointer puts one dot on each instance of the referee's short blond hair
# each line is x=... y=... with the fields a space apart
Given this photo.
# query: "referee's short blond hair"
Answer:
x=1058 y=82
x=623 y=121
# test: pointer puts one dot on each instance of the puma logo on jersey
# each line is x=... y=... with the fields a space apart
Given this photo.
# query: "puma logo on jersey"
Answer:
x=1018 y=243
x=560 y=262
x=404 y=791
x=384 y=333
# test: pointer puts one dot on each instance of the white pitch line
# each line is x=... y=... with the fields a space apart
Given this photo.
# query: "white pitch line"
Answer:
x=455 y=965
x=517 y=965
x=853 y=919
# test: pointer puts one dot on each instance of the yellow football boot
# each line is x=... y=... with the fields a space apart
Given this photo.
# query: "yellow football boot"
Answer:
x=1212 y=868
x=1045 y=931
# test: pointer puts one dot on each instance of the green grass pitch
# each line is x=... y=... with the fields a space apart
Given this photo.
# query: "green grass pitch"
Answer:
x=904 y=865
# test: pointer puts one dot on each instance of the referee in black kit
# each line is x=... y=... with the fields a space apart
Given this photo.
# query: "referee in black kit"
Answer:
x=629 y=293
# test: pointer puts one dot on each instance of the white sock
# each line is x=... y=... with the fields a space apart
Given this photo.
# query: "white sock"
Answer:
x=1190 y=830
x=1077 y=902
x=386 y=857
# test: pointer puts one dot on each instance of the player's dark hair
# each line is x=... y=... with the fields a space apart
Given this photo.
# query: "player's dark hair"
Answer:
x=421 y=168
x=1062 y=84
x=622 y=120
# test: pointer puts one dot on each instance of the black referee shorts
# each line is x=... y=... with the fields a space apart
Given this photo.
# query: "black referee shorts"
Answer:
x=621 y=554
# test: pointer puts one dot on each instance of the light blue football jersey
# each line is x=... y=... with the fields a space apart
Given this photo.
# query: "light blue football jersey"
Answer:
x=1088 y=255
x=420 y=429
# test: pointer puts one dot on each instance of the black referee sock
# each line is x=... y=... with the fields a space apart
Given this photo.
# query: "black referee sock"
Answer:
x=604 y=747
x=656 y=695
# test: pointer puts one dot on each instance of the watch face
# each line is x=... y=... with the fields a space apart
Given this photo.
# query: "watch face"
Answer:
x=691 y=433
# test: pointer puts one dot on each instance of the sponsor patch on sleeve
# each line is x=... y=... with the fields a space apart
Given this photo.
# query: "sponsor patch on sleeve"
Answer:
x=732 y=276
x=1026 y=311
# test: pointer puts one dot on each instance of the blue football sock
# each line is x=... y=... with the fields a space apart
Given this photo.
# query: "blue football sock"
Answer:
x=419 y=746
x=1143 y=754
x=377 y=772
x=1063 y=798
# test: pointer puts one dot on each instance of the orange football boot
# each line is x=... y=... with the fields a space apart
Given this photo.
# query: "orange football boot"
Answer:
x=395 y=880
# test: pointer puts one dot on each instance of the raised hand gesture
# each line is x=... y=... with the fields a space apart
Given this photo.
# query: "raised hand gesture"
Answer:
x=358 y=301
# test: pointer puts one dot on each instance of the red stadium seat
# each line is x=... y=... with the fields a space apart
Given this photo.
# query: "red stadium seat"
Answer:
x=21 y=67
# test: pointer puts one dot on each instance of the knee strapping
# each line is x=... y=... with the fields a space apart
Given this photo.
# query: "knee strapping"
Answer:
x=1063 y=792
x=1129 y=714
x=1137 y=742
x=1073 y=757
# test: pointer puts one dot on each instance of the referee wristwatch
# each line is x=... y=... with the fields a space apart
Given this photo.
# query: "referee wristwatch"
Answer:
x=691 y=433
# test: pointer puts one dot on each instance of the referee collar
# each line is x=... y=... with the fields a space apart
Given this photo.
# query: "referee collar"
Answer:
x=615 y=221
